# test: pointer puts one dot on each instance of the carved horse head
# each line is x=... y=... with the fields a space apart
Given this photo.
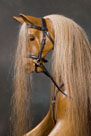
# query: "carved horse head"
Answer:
x=40 y=41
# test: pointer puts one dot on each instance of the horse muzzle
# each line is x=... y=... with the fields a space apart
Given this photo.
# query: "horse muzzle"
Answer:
x=33 y=64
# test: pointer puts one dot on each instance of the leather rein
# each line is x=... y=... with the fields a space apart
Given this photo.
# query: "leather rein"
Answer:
x=38 y=59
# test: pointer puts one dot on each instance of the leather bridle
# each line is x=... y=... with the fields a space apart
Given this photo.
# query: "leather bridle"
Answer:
x=38 y=59
x=45 y=32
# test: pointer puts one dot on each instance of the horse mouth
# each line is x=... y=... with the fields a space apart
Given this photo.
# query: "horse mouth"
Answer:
x=31 y=66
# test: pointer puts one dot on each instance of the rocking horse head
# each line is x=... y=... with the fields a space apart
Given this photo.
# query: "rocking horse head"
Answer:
x=71 y=65
x=40 y=41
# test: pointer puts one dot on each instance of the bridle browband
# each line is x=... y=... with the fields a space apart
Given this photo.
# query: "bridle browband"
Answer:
x=38 y=59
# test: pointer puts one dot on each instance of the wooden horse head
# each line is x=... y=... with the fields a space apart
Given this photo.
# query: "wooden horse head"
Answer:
x=40 y=41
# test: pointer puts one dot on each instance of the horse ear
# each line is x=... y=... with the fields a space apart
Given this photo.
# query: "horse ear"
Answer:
x=31 y=20
x=19 y=19
x=28 y=20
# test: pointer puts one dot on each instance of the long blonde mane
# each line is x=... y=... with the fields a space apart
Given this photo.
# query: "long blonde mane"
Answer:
x=72 y=66
x=22 y=95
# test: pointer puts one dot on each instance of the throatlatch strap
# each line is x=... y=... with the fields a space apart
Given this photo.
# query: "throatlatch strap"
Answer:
x=48 y=35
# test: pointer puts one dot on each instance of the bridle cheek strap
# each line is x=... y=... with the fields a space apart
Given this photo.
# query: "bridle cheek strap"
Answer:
x=44 y=38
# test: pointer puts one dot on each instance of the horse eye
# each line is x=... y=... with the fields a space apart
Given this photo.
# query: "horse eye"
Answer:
x=32 y=38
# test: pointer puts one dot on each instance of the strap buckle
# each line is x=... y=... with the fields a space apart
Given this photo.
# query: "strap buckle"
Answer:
x=37 y=62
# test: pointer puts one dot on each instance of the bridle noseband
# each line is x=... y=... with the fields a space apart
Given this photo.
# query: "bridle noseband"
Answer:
x=38 y=59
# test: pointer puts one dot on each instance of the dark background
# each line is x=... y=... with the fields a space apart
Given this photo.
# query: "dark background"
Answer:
x=78 y=10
